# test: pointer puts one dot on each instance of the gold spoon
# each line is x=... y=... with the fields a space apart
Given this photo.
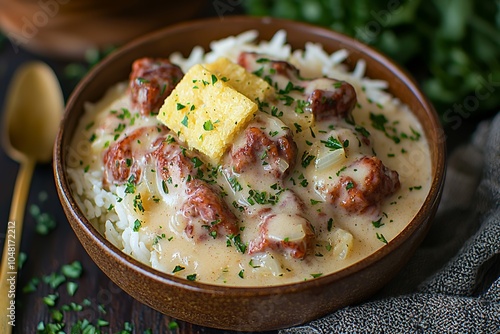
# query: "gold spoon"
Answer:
x=33 y=109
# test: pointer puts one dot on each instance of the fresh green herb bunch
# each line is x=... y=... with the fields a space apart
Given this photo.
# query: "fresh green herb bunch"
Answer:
x=452 y=47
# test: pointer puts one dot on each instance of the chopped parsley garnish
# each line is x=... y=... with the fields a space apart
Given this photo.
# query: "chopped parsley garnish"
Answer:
x=301 y=104
x=236 y=239
x=137 y=225
x=138 y=203
x=334 y=144
x=72 y=270
x=208 y=125
x=214 y=79
x=349 y=185
x=177 y=269
x=180 y=106
x=298 y=127
x=197 y=162
x=242 y=273
x=191 y=277
x=275 y=112
x=130 y=185
x=317 y=275
x=164 y=186
x=381 y=238
x=185 y=121
x=362 y=130
x=329 y=224
x=377 y=223
x=306 y=159
x=261 y=197
x=235 y=185
x=341 y=170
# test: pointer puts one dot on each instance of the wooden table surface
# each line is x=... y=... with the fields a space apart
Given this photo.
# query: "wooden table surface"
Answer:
x=101 y=301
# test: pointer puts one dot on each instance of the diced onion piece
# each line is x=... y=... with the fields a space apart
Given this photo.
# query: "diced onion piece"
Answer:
x=267 y=262
x=285 y=227
x=342 y=242
x=282 y=166
x=329 y=159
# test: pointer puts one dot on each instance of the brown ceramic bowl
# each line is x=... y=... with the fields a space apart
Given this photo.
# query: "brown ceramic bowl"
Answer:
x=243 y=308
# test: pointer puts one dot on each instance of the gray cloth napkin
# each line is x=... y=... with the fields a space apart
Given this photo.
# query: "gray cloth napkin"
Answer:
x=448 y=286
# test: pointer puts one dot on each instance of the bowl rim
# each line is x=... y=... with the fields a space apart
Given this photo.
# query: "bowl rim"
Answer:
x=365 y=51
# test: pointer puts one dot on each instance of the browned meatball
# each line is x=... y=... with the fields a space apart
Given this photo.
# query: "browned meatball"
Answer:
x=332 y=103
x=272 y=154
x=125 y=158
x=253 y=62
x=171 y=161
x=201 y=202
x=151 y=81
x=356 y=194
x=205 y=203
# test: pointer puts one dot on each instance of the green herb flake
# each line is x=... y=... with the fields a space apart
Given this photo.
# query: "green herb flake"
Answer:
x=341 y=170
x=240 y=246
x=164 y=186
x=306 y=159
x=50 y=300
x=72 y=270
x=208 y=125
x=329 y=224
x=177 y=269
x=191 y=277
x=185 y=121
x=173 y=325
x=54 y=280
x=298 y=127
x=102 y=323
x=333 y=143
x=137 y=225
x=71 y=287
x=378 y=223
x=381 y=238
x=317 y=275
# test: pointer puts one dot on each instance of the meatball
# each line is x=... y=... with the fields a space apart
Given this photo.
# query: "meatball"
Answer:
x=363 y=185
x=151 y=81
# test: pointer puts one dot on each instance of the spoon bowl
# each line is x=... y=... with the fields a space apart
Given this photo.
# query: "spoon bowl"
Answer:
x=32 y=114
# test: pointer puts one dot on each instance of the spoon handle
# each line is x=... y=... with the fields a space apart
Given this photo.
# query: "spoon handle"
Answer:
x=8 y=269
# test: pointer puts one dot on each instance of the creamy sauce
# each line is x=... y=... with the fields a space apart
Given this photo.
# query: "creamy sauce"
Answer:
x=294 y=207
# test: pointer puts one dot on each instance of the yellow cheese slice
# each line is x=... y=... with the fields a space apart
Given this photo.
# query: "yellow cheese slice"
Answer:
x=206 y=112
x=236 y=76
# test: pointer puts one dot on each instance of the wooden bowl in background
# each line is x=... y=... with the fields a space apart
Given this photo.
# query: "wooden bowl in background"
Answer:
x=68 y=28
